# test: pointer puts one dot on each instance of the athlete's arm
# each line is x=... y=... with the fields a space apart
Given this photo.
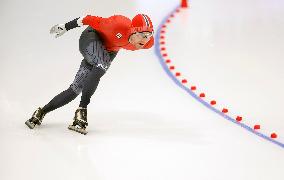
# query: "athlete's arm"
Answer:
x=73 y=24
x=60 y=29
x=93 y=21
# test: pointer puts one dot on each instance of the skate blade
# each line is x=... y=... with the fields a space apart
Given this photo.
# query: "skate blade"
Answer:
x=73 y=128
x=29 y=124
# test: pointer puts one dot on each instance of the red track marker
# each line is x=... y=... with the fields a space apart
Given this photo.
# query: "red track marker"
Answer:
x=193 y=88
x=224 y=110
x=239 y=118
x=184 y=81
x=213 y=102
x=256 y=127
x=273 y=135
x=177 y=73
x=184 y=4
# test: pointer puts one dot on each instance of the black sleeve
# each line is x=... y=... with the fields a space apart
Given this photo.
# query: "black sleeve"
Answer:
x=71 y=24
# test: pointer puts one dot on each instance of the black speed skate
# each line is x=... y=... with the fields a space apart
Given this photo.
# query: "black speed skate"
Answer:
x=80 y=121
x=36 y=118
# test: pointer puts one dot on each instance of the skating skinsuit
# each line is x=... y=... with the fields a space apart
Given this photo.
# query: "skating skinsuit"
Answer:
x=99 y=44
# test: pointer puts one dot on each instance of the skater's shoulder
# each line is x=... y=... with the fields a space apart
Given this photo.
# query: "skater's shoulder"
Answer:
x=119 y=19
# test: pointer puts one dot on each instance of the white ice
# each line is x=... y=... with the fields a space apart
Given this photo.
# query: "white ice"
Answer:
x=141 y=125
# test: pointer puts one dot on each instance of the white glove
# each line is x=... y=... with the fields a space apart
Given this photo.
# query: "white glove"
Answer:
x=59 y=29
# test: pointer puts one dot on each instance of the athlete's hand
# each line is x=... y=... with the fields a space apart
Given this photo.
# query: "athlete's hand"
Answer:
x=58 y=29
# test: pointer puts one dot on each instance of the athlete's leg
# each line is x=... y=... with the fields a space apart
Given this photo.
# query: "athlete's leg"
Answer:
x=92 y=48
x=72 y=92
x=90 y=86
x=60 y=100
x=95 y=55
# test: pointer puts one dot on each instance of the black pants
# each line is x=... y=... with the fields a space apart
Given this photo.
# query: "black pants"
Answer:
x=94 y=65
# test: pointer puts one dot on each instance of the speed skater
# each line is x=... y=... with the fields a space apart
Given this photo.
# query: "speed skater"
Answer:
x=99 y=44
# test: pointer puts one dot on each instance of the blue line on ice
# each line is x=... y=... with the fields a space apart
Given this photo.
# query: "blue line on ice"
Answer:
x=177 y=82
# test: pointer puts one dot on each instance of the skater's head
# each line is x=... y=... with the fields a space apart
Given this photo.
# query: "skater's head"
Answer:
x=141 y=30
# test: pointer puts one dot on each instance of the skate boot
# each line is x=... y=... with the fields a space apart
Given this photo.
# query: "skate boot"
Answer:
x=80 y=121
x=36 y=118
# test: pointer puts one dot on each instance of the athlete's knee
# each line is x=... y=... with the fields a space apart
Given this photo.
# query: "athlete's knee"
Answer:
x=75 y=89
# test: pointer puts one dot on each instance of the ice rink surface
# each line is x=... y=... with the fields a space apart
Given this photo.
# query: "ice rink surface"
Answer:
x=142 y=126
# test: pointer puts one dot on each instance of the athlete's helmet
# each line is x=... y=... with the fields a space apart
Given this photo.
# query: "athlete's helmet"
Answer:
x=141 y=23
